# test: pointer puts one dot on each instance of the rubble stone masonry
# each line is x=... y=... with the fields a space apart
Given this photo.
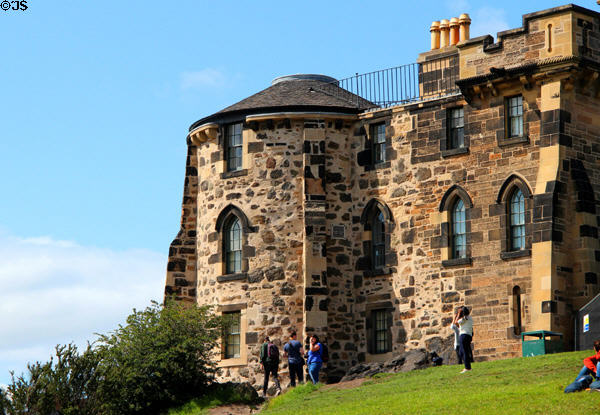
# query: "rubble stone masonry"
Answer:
x=309 y=187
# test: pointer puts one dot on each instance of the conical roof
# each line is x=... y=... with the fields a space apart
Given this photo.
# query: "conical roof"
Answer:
x=303 y=92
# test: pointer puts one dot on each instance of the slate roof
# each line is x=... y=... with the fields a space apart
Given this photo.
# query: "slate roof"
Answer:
x=294 y=93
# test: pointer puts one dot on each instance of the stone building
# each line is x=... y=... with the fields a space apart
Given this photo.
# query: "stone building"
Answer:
x=366 y=211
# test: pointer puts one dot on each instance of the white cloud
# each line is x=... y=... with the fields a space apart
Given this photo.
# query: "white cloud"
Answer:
x=58 y=291
x=205 y=78
x=488 y=21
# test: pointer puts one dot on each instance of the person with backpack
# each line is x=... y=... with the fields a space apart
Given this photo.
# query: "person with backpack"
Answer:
x=315 y=358
x=293 y=351
x=269 y=359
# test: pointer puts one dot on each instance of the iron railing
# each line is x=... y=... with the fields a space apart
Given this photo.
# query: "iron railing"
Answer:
x=400 y=85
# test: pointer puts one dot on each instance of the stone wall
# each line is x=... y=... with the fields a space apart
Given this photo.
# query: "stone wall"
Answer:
x=269 y=292
x=308 y=186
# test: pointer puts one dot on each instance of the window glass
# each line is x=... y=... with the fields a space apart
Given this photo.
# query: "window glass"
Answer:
x=233 y=246
x=378 y=240
x=381 y=330
x=234 y=147
x=514 y=110
x=459 y=233
x=456 y=124
x=231 y=338
x=517 y=221
x=378 y=135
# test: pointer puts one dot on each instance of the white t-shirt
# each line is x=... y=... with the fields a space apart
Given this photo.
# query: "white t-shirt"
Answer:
x=465 y=325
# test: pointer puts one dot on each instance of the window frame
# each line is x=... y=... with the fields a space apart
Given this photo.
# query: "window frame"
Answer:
x=445 y=239
x=512 y=227
x=232 y=148
x=366 y=263
x=456 y=235
x=233 y=266
x=378 y=245
x=378 y=143
x=502 y=209
x=379 y=336
x=451 y=145
x=227 y=334
x=508 y=117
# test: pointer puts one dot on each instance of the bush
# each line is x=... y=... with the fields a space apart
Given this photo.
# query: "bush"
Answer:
x=161 y=357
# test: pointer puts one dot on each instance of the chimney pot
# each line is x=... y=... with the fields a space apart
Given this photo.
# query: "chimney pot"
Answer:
x=454 y=31
x=435 y=35
x=444 y=33
x=464 y=21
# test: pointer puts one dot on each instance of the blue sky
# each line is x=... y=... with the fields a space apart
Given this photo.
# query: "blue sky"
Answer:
x=96 y=100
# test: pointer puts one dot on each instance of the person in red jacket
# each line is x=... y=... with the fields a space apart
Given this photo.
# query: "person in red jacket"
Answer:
x=591 y=365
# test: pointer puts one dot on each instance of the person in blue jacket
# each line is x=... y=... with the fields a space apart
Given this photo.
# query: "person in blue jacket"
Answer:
x=315 y=358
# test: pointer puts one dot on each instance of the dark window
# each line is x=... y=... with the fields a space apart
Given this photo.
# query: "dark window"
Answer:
x=231 y=338
x=233 y=149
x=381 y=331
x=456 y=128
x=517 y=221
x=514 y=116
x=517 y=309
x=378 y=230
x=378 y=137
x=459 y=232
x=233 y=246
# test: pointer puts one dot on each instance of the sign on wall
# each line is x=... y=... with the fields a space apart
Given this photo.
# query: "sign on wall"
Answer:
x=586 y=323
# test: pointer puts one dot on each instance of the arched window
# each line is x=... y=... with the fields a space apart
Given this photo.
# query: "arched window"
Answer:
x=517 y=220
x=455 y=236
x=233 y=245
x=514 y=207
x=516 y=309
x=459 y=231
x=378 y=241
x=378 y=224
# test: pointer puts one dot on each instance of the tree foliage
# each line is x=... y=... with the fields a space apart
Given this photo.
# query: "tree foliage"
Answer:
x=162 y=356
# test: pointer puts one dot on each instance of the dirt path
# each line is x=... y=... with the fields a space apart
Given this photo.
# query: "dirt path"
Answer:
x=247 y=410
x=234 y=410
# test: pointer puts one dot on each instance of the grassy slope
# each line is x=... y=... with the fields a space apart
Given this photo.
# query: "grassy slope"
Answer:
x=516 y=386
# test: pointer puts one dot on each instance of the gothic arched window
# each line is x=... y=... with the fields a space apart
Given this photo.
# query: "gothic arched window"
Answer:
x=378 y=241
x=517 y=220
x=378 y=224
x=232 y=245
x=458 y=229
x=515 y=211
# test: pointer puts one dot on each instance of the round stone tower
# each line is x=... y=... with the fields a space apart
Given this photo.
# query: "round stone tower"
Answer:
x=253 y=228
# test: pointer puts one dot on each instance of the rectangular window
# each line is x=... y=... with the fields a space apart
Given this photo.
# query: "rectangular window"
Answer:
x=378 y=137
x=456 y=128
x=381 y=331
x=233 y=147
x=231 y=337
x=514 y=117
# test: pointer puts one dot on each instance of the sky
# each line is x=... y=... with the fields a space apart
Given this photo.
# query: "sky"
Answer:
x=96 y=100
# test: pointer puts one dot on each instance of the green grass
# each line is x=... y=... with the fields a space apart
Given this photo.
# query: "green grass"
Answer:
x=218 y=397
x=531 y=385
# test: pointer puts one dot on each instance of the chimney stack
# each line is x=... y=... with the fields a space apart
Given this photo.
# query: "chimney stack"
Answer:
x=448 y=33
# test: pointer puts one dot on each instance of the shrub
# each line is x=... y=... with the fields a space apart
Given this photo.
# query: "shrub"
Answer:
x=162 y=356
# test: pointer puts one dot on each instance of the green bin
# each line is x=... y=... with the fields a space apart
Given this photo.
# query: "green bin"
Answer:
x=546 y=342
